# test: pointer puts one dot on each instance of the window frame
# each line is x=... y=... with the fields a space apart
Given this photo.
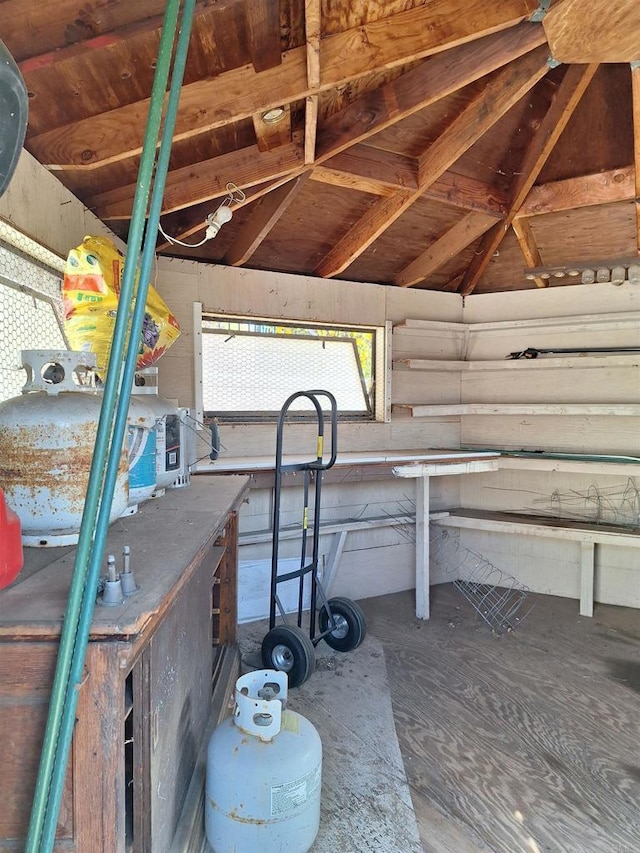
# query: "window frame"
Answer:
x=377 y=399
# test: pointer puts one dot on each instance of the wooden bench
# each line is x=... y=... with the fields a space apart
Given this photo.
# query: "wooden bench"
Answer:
x=588 y=535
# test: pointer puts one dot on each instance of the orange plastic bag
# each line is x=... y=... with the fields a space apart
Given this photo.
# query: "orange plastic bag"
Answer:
x=91 y=289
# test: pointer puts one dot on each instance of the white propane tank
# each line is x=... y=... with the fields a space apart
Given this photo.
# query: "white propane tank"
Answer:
x=47 y=438
x=264 y=769
x=141 y=427
x=167 y=428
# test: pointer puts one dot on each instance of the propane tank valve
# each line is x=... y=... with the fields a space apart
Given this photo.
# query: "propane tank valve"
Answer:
x=127 y=580
x=112 y=591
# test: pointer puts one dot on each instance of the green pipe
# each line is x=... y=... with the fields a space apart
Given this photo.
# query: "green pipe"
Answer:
x=120 y=426
x=43 y=791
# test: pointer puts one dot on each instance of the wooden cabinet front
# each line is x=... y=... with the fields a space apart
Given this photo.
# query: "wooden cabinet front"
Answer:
x=148 y=680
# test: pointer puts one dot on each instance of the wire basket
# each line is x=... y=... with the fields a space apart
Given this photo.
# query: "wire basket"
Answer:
x=496 y=595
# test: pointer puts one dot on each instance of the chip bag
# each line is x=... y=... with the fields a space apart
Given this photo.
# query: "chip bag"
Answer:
x=91 y=288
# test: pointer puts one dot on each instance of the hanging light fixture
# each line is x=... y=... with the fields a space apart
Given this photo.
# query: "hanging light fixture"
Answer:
x=215 y=220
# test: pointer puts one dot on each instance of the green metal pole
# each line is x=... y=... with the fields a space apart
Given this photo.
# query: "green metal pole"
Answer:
x=34 y=842
x=97 y=552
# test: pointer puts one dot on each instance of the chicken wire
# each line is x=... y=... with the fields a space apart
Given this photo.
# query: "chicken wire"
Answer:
x=31 y=312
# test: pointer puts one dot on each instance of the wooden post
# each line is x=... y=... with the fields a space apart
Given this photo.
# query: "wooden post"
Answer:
x=587 y=572
x=422 y=547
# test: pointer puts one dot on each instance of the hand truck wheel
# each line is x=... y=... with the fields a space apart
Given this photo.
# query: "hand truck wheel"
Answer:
x=287 y=648
x=349 y=624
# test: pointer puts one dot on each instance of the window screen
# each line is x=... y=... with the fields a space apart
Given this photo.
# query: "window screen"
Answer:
x=250 y=368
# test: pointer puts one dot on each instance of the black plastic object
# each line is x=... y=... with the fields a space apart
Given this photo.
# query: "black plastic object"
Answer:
x=14 y=112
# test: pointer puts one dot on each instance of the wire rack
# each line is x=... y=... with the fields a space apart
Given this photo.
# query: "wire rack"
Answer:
x=497 y=596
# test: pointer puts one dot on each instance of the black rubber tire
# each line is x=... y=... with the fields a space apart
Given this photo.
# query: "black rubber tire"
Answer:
x=287 y=648
x=351 y=624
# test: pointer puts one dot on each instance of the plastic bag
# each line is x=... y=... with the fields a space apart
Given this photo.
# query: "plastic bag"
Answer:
x=91 y=288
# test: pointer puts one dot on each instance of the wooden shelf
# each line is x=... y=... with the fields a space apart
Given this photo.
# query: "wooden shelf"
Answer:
x=506 y=409
x=541 y=363
x=580 y=322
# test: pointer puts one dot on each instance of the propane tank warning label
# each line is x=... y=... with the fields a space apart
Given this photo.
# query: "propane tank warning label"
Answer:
x=292 y=795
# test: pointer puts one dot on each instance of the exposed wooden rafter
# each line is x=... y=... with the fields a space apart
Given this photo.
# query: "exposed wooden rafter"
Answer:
x=528 y=247
x=585 y=191
x=312 y=13
x=595 y=31
x=263 y=30
x=635 y=83
x=263 y=217
x=208 y=179
x=64 y=28
x=569 y=93
x=439 y=76
x=446 y=73
x=381 y=172
x=503 y=90
x=242 y=92
x=457 y=238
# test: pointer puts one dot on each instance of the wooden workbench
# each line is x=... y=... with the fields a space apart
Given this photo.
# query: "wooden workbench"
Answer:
x=150 y=672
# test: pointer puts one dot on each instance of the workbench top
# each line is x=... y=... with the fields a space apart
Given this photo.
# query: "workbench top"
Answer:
x=165 y=536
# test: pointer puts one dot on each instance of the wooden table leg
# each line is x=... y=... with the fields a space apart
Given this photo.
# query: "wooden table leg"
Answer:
x=587 y=572
x=422 y=547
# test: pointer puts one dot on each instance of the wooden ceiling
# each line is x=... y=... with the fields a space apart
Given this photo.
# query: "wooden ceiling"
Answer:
x=436 y=144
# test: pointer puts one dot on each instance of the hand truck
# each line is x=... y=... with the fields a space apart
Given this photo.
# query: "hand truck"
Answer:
x=341 y=622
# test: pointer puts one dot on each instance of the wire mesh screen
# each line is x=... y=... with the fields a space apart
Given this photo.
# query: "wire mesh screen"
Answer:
x=30 y=312
x=254 y=373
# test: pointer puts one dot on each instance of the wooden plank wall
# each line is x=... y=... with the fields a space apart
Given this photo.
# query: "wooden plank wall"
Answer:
x=546 y=565
x=381 y=560
x=41 y=207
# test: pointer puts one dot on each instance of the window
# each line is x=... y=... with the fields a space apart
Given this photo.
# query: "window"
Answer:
x=30 y=305
x=251 y=366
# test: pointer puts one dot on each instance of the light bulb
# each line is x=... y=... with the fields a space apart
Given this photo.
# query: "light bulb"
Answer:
x=588 y=276
x=217 y=220
x=602 y=275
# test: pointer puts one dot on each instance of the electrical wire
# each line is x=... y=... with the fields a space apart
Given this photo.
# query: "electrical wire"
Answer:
x=175 y=240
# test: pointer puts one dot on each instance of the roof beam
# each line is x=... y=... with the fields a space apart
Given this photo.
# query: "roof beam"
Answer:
x=349 y=181
x=241 y=92
x=635 y=82
x=431 y=81
x=262 y=218
x=263 y=29
x=570 y=91
x=503 y=90
x=207 y=180
x=312 y=14
x=446 y=74
x=61 y=26
x=415 y=33
x=374 y=164
x=596 y=31
x=377 y=172
x=585 y=191
x=457 y=238
x=529 y=247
